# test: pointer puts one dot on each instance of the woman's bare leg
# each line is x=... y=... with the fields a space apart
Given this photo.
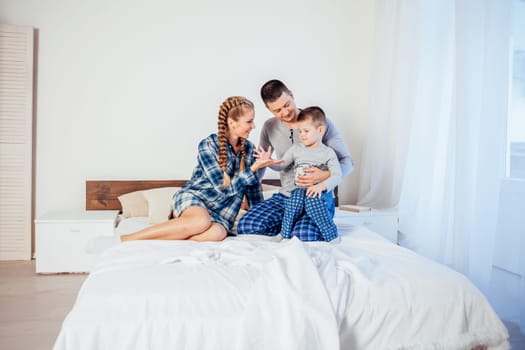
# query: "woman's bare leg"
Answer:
x=216 y=232
x=193 y=221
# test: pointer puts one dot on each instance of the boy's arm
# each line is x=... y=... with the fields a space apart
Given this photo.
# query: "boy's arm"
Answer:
x=288 y=158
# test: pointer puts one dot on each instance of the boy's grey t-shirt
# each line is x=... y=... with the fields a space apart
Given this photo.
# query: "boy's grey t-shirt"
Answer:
x=276 y=134
x=300 y=157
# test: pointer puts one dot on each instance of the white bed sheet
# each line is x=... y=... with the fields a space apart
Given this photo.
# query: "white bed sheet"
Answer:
x=400 y=300
x=251 y=293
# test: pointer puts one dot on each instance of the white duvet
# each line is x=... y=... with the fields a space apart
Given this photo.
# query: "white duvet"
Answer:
x=364 y=293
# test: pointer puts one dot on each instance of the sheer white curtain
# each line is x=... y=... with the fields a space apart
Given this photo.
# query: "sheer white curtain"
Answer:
x=521 y=290
x=436 y=142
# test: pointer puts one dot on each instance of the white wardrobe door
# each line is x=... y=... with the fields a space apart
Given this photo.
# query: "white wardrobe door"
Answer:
x=16 y=135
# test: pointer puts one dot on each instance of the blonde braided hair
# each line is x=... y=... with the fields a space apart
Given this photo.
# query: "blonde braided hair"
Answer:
x=233 y=107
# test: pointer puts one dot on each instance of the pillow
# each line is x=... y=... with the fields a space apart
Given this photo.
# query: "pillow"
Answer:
x=159 y=203
x=269 y=190
x=133 y=204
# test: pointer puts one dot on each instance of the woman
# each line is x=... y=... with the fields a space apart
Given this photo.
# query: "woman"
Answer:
x=205 y=209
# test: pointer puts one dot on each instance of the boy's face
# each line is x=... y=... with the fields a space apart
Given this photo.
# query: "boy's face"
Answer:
x=310 y=134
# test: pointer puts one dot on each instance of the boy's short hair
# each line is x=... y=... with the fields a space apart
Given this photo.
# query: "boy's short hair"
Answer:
x=272 y=90
x=315 y=114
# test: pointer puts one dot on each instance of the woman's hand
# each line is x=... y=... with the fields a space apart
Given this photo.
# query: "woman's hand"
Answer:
x=312 y=177
x=316 y=190
x=264 y=159
x=261 y=154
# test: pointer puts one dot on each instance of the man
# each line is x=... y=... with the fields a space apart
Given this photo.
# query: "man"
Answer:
x=280 y=133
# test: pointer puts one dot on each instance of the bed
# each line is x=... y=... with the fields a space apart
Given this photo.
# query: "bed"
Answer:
x=250 y=292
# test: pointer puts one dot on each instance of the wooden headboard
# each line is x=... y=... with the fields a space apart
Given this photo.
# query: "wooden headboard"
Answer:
x=103 y=194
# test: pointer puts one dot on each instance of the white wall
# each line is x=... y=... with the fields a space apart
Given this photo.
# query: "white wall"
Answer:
x=126 y=89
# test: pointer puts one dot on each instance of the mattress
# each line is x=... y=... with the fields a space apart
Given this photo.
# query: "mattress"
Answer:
x=252 y=292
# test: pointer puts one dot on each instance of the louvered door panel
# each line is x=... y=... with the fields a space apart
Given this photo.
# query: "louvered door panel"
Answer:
x=16 y=116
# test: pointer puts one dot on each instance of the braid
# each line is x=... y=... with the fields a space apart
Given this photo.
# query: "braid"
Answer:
x=221 y=128
x=227 y=107
x=243 y=154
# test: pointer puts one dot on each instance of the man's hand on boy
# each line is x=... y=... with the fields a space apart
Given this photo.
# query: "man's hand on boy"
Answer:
x=313 y=176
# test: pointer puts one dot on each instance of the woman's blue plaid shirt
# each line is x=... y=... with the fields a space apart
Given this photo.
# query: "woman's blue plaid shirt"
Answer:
x=207 y=178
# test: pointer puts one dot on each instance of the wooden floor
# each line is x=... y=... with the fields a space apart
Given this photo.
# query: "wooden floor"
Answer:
x=32 y=307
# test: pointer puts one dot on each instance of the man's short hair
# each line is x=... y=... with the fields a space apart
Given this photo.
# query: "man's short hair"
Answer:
x=272 y=90
x=315 y=114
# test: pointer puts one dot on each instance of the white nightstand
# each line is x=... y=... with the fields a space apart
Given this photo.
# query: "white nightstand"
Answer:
x=61 y=239
x=385 y=222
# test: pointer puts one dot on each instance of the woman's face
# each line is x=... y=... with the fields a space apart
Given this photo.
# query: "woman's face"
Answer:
x=243 y=126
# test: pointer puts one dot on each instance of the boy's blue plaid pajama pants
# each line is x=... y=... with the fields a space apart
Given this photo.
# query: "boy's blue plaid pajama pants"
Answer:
x=266 y=218
x=299 y=204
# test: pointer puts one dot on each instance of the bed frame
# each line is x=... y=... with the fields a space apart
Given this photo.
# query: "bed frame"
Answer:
x=103 y=194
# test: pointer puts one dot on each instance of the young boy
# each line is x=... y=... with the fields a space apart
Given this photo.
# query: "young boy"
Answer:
x=309 y=153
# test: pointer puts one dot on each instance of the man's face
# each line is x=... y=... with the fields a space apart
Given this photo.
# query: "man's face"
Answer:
x=284 y=108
